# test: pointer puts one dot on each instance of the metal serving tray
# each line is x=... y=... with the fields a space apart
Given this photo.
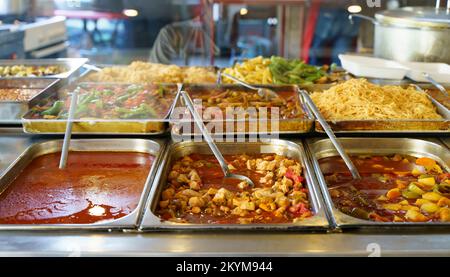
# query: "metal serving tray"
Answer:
x=290 y=149
x=154 y=148
x=11 y=112
x=322 y=148
x=86 y=76
x=285 y=126
x=72 y=65
x=388 y=126
x=93 y=126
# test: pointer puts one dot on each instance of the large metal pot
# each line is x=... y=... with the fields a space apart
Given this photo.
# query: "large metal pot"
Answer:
x=412 y=34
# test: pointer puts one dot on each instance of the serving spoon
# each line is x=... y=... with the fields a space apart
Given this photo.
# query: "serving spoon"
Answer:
x=262 y=92
x=68 y=133
x=435 y=83
x=331 y=135
x=199 y=122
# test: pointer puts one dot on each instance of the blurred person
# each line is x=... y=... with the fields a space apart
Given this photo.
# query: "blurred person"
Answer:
x=333 y=33
x=183 y=39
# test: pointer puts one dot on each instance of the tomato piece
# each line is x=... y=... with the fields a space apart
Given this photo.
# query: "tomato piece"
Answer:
x=294 y=177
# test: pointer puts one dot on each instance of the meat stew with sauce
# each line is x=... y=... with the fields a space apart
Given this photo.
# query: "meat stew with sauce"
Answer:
x=196 y=191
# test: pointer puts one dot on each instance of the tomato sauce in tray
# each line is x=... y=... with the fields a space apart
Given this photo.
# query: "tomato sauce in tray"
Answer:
x=198 y=193
x=95 y=186
x=395 y=188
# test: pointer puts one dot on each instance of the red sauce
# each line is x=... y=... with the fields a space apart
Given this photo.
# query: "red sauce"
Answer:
x=95 y=186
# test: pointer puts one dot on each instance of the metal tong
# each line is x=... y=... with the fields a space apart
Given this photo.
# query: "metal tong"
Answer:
x=331 y=135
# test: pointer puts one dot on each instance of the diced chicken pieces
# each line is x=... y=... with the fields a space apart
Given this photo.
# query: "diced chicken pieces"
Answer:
x=262 y=165
x=193 y=176
x=268 y=207
x=281 y=171
x=246 y=205
x=198 y=164
x=251 y=164
x=194 y=185
x=167 y=193
x=222 y=196
x=272 y=197
x=286 y=185
x=182 y=178
x=163 y=204
x=196 y=202
x=190 y=193
x=211 y=191
x=173 y=175
x=268 y=179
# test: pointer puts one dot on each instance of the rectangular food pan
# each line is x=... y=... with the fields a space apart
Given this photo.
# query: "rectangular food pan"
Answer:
x=11 y=111
x=155 y=148
x=394 y=126
x=34 y=123
x=322 y=148
x=249 y=126
x=69 y=66
x=293 y=150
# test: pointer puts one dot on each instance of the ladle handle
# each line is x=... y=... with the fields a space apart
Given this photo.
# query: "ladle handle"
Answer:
x=331 y=135
x=245 y=84
x=68 y=133
x=198 y=120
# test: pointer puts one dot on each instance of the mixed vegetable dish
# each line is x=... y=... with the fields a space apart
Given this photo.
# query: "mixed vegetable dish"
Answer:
x=111 y=102
x=395 y=188
x=281 y=71
x=196 y=191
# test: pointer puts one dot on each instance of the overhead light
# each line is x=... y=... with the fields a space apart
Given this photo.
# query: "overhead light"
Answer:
x=354 y=9
x=243 y=11
x=130 y=12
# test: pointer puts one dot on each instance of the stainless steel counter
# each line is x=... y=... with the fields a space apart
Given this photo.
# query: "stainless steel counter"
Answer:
x=133 y=243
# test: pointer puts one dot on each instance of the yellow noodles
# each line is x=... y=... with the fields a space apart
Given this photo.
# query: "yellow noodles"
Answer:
x=357 y=99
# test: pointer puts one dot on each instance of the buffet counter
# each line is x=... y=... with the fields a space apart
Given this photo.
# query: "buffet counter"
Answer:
x=131 y=242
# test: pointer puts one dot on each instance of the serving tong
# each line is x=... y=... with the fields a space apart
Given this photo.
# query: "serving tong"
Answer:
x=262 y=92
x=331 y=135
x=199 y=122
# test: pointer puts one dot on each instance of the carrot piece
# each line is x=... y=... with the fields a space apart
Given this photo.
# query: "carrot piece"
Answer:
x=427 y=162
x=393 y=194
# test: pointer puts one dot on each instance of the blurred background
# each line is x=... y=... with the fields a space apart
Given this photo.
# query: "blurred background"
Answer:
x=187 y=32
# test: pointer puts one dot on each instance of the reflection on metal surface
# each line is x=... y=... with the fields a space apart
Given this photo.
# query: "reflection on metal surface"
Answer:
x=97 y=211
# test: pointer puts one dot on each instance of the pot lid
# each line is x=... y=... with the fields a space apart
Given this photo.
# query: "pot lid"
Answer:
x=418 y=17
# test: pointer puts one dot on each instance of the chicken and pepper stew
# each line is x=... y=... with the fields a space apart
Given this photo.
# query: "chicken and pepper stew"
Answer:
x=196 y=191
x=395 y=188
